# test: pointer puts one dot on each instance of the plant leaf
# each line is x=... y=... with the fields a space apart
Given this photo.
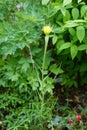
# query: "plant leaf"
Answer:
x=83 y=10
x=73 y=51
x=45 y=2
x=80 y=33
x=79 y=1
x=54 y=39
x=66 y=2
x=55 y=69
x=75 y=13
x=65 y=46
x=82 y=47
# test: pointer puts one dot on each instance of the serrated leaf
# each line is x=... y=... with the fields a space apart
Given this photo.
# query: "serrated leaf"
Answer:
x=45 y=2
x=80 y=33
x=73 y=51
x=75 y=13
x=8 y=50
x=66 y=2
x=25 y=67
x=15 y=77
x=82 y=47
x=65 y=46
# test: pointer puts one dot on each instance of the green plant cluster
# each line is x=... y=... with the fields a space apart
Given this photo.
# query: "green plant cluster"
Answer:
x=31 y=63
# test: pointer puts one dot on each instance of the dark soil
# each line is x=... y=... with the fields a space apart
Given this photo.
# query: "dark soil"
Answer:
x=73 y=96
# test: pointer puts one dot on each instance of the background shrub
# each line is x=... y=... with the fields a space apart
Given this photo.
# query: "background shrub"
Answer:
x=27 y=99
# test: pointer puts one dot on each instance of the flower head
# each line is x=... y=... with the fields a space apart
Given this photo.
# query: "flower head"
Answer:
x=78 y=117
x=47 y=30
x=70 y=121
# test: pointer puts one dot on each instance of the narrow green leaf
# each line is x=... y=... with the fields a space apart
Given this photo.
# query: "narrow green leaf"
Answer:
x=66 y=2
x=73 y=51
x=45 y=2
x=80 y=33
x=70 y=23
x=65 y=46
x=82 y=47
x=73 y=23
x=75 y=13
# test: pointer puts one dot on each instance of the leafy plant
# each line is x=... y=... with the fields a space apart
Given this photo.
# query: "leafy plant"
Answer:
x=41 y=42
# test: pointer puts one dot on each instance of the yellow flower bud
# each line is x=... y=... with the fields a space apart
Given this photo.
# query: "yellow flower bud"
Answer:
x=47 y=30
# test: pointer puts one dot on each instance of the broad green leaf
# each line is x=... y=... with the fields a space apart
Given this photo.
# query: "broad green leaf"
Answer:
x=73 y=51
x=75 y=13
x=72 y=31
x=58 y=45
x=54 y=40
x=63 y=10
x=66 y=2
x=83 y=10
x=67 y=16
x=65 y=46
x=80 y=33
x=55 y=69
x=45 y=2
x=79 y=1
x=82 y=47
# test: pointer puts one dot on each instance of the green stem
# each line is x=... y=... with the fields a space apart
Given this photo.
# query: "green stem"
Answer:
x=44 y=57
x=43 y=68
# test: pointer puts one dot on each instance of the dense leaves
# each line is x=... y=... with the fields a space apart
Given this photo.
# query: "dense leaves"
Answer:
x=42 y=43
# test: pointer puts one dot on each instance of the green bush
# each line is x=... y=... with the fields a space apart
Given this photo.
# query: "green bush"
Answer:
x=69 y=40
x=32 y=62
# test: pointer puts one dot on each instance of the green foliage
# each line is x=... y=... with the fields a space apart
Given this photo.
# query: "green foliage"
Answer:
x=70 y=42
x=31 y=63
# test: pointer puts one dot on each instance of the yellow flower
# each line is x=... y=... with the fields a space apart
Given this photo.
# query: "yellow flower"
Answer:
x=47 y=30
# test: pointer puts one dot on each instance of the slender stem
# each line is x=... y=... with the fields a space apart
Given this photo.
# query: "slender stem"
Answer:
x=43 y=68
x=44 y=57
